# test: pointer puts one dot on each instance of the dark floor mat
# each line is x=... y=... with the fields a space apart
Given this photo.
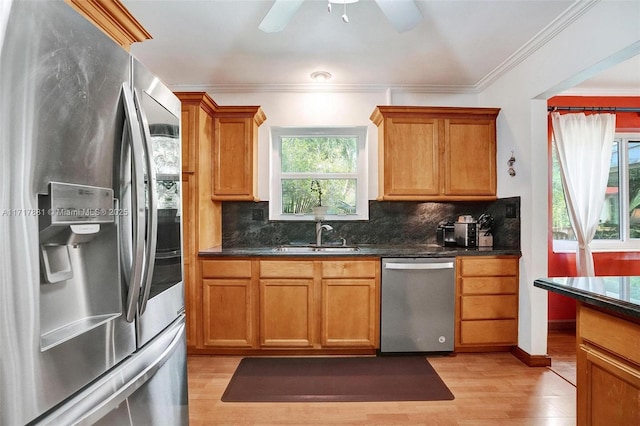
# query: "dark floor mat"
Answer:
x=311 y=379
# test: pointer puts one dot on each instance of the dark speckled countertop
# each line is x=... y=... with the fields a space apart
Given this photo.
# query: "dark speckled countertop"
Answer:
x=371 y=250
x=617 y=294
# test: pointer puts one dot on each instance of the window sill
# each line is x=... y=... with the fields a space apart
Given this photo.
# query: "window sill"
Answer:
x=618 y=248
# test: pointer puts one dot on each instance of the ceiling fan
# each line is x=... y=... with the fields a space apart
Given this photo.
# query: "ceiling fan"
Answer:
x=403 y=14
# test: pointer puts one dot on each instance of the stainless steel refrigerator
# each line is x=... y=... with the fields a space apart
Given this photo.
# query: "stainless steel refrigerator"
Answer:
x=92 y=325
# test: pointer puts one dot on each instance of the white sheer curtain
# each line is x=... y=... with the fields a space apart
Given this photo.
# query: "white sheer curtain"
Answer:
x=584 y=144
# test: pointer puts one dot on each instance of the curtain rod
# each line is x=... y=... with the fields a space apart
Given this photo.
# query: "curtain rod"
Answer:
x=593 y=109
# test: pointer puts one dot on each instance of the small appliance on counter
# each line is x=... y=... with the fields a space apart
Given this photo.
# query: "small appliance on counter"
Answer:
x=485 y=225
x=445 y=234
x=466 y=231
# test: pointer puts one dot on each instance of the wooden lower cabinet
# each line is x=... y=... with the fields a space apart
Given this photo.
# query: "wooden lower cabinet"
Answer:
x=608 y=369
x=228 y=304
x=287 y=304
x=349 y=313
x=351 y=304
x=486 y=303
x=279 y=305
x=286 y=313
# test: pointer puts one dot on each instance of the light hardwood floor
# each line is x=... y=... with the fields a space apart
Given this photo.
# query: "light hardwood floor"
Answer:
x=561 y=347
x=489 y=389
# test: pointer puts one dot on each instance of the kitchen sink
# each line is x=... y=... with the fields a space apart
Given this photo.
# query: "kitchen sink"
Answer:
x=314 y=249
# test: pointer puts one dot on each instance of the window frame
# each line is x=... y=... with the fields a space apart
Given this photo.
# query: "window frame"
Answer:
x=276 y=175
x=625 y=243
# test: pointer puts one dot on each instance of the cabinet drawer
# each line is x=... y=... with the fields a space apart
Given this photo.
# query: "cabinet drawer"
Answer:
x=489 y=332
x=350 y=268
x=482 y=266
x=286 y=269
x=595 y=327
x=488 y=307
x=226 y=268
x=489 y=285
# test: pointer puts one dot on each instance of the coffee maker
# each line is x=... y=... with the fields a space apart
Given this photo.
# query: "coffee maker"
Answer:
x=445 y=234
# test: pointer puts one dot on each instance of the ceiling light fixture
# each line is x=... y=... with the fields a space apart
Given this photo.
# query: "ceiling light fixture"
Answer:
x=320 y=76
x=344 y=16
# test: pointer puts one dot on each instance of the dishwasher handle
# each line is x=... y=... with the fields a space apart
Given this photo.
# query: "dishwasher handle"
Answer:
x=419 y=266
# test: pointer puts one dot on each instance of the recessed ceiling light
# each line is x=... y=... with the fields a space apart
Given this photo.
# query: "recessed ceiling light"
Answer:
x=320 y=76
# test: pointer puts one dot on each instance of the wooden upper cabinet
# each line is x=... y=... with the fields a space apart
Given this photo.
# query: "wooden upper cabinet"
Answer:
x=408 y=144
x=235 y=159
x=470 y=157
x=113 y=18
x=198 y=110
x=436 y=153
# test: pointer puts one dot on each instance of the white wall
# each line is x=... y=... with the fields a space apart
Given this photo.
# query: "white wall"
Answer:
x=605 y=34
x=608 y=32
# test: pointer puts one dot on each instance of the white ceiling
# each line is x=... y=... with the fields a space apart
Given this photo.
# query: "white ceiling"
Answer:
x=460 y=46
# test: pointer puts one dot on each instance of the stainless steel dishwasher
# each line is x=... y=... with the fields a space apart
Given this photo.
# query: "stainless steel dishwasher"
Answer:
x=418 y=305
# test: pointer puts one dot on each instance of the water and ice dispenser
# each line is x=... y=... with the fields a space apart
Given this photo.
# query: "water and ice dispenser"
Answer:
x=80 y=274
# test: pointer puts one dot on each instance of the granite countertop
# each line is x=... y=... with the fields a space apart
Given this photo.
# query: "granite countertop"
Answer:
x=617 y=294
x=373 y=250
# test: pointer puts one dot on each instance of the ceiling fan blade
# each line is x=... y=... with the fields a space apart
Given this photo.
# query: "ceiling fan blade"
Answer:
x=279 y=15
x=403 y=14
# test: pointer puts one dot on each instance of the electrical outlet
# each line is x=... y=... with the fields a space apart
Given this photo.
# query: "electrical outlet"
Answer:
x=257 y=214
x=510 y=211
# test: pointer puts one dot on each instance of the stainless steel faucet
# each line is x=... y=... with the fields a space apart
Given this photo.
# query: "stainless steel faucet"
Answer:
x=319 y=228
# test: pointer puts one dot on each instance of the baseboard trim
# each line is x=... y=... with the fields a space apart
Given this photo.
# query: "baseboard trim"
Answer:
x=562 y=325
x=531 y=360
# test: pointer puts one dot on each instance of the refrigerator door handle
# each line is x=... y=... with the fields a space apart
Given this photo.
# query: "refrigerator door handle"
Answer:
x=137 y=205
x=152 y=219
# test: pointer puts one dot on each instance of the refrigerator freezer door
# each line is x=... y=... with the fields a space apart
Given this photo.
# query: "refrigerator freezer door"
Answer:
x=149 y=388
x=61 y=120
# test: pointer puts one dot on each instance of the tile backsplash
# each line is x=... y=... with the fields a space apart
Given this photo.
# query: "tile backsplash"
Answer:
x=390 y=222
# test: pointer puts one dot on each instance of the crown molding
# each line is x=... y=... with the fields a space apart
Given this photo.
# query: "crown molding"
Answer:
x=114 y=19
x=323 y=88
x=572 y=13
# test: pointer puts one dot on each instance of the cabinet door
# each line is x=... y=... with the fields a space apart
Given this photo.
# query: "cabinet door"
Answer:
x=228 y=313
x=349 y=314
x=470 y=156
x=286 y=312
x=410 y=157
x=608 y=389
x=233 y=174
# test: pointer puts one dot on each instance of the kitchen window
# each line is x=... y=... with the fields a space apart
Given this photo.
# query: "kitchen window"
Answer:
x=312 y=166
x=619 y=227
